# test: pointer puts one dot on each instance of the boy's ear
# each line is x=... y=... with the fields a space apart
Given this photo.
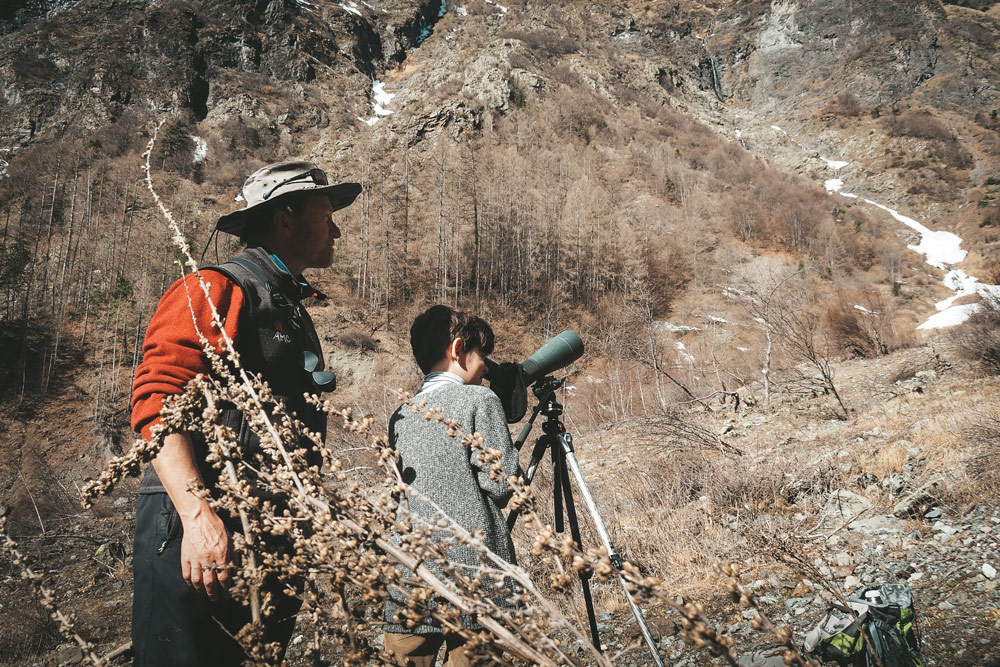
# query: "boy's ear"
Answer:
x=456 y=348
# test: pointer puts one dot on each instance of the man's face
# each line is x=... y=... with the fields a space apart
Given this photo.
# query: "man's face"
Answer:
x=313 y=233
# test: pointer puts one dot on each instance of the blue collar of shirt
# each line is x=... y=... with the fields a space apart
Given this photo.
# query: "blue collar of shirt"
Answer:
x=281 y=265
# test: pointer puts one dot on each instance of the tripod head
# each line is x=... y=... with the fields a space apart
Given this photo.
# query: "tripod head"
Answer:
x=545 y=391
x=547 y=384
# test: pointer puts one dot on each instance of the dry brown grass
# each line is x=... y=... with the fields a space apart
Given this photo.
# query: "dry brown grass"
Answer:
x=983 y=432
x=884 y=461
x=27 y=631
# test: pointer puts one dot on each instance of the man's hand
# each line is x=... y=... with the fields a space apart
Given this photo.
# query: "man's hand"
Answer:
x=205 y=552
x=205 y=549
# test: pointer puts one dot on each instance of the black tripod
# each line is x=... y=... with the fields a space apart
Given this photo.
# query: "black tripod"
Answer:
x=555 y=438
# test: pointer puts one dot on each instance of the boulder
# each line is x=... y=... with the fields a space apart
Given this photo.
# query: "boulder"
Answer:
x=841 y=506
x=921 y=498
x=877 y=525
x=767 y=656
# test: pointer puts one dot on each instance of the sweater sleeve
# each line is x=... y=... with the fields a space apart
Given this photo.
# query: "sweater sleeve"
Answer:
x=491 y=422
x=172 y=353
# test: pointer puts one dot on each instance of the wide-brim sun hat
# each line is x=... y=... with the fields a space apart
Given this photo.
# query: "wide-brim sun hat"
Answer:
x=278 y=181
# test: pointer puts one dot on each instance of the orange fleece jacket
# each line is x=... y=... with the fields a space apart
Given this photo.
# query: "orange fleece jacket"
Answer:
x=172 y=354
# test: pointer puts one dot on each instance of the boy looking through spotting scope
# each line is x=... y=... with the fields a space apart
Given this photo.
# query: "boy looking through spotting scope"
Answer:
x=450 y=347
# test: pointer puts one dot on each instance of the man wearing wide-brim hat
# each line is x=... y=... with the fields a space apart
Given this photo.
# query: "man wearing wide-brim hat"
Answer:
x=181 y=612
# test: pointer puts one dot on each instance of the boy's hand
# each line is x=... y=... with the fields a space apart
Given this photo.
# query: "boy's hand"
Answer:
x=507 y=382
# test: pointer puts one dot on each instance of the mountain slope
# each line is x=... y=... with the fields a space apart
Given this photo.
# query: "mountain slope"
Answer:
x=639 y=172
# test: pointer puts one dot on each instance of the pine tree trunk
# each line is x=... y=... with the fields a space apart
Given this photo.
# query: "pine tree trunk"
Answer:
x=127 y=231
x=405 y=286
x=48 y=239
x=475 y=228
x=441 y=269
x=31 y=273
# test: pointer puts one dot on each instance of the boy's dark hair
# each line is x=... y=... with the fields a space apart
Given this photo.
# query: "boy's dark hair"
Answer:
x=435 y=328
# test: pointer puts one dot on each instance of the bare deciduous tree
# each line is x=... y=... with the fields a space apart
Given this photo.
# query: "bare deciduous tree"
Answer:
x=779 y=305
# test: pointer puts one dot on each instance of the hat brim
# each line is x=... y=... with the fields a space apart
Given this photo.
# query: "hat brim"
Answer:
x=341 y=196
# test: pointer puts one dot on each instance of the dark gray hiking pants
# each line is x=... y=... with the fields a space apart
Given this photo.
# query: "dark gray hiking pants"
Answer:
x=172 y=624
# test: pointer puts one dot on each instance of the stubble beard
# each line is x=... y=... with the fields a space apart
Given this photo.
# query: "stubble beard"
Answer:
x=326 y=258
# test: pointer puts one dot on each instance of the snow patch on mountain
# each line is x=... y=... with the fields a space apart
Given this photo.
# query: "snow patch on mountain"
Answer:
x=380 y=104
x=200 y=149
x=941 y=250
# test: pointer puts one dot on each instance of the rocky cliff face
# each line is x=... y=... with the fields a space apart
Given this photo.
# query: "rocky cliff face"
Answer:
x=908 y=96
x=80 y=65
x=908 y=92
x=806 y=53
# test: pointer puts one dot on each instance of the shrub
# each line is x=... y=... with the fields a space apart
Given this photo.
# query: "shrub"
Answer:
x=543 y=43
x=979 y=340
x=114 y=139
x=14 y=264
x=27 y=632
x=862 y=324
x=358 y=340
x=175 y=139
x=846 y=104
x=919 y=125
x=992 y=217
x=991 y=274
x=984 y=434
x=952 y=154
x=33 y=68
x=517 y=97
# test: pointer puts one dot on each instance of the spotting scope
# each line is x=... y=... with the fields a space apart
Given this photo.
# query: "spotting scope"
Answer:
x=560 y=351
x=510 y=380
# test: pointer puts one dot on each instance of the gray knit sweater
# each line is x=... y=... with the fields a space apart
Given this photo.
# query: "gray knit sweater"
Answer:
x=449 y=475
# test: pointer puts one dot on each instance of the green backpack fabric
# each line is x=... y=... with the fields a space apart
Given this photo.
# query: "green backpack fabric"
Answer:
x=888 y=618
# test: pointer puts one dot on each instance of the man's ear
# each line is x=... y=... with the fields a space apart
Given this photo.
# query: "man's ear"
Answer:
x=456 y=348
x=282 y=220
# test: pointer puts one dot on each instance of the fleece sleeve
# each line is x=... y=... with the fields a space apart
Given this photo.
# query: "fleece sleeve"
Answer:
x=491 y=422
x=172 y=353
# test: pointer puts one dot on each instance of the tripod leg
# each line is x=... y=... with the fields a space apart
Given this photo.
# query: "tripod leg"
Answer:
x=566 y=444
x=536 y=458
x=558 y=464
x=574 y=531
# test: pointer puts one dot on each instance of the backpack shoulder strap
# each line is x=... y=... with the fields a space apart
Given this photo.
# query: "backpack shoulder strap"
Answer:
x=252 y=280
x=251 y=268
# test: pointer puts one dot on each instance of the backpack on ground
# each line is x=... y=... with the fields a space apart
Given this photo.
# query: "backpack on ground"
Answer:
x=887 y=630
